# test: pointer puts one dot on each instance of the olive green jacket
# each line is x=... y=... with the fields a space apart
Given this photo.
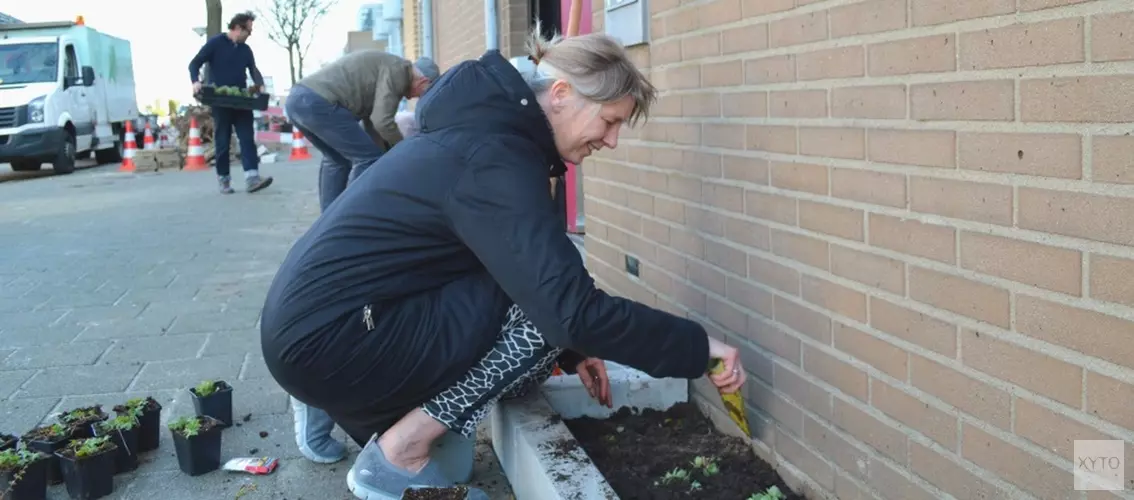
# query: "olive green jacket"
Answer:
x=370 y=84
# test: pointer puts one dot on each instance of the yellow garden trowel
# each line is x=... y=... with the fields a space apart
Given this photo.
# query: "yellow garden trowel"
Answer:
x=734 y=402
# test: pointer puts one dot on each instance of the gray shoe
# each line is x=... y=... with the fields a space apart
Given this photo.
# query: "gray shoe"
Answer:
x=256 y=183
x=455 y=455
x=225 y=184
x=313 y=434
x=372 y=477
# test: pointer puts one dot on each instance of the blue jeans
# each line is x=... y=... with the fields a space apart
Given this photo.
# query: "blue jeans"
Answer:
x=224 y=121
x=347 y=148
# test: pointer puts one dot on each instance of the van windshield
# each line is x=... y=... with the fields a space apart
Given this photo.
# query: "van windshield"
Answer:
x=28 y=63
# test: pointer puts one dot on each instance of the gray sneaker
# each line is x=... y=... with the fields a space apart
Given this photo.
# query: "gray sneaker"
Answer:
x=225 y=184
x=372 y=477
x=256 y=183
x=313 y=434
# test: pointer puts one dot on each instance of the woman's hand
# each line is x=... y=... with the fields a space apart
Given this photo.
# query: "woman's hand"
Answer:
x=732 y=377
x=592 y=371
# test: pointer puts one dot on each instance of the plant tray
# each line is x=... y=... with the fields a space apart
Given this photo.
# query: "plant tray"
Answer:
x=209 y=97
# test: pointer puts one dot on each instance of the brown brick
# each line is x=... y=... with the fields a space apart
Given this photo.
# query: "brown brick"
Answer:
x=701 y=46
x=1101 y=99
x=803 y=320
x=1056 y=269
x=665 y=52
x=928 y=12
x=1110 y=279
x=880 y=102
x=798 y=104
x=844 y=377
x=913 y=237
x=771 y=207
x=718 y=12
x=804 y=392
x=1024 y=367
x=991 y=203
x=744 y=104
x=872 y=16
x=886 y=440
x=1091 y=333
x=799 y=177
x=960 y=295
x=839 y=62
x=681 y=22
x=834 y=297
x=1109 y=399
x=869 y=269
x=930 y=54
x=705 y=104
x=803 y=28
x=883 y=477
x=1035 y=423
x=745 y=169
x=1030 y=5
x=1047 y=155
x=1036 y=44
x=801 y=248
x=680 y=77
x=774 y=339
x=833 y=220
x=814 y=466
x=928 y=420
x=1019 y=467
x=884 y=356
x=771 y=138
x=753 y=8
x=1082 y=215
x=786 y=413
x=869 y=187
x=774 y=69
x=837 y=449
x=1110 y=37
x=744 y=39
x=924 y=148
x=1113 y=159
x=835 y=142
x=990 y=100
x=723 y=135
x=944 y=472
x=966 y=393
x=914 y=327
x=722 y=74
x=773 y=274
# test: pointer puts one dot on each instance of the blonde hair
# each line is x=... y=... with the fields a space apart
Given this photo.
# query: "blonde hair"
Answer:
x=595 y=64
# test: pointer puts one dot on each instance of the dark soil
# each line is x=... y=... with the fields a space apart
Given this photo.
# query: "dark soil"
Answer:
x=636 y=452
x=46 y=433
x=150 y=405
x=454 y=493
x=79 y=418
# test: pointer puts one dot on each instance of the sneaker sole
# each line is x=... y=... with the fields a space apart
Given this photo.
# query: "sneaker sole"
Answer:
x=305 y=450
x=267 y=182
x=364 y=493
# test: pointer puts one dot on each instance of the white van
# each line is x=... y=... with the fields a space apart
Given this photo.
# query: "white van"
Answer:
x=66 y=92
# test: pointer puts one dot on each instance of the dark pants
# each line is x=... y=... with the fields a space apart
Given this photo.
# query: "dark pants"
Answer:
x=224 y=121
x=347 y=148
x=453 y=354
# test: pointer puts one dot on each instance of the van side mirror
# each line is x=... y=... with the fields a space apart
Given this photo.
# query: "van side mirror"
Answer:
x=88 y=76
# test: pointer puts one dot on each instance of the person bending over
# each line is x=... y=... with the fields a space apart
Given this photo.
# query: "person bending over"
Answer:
x=443 y=280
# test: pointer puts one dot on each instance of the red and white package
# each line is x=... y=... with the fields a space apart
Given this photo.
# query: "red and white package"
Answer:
x=259 y=466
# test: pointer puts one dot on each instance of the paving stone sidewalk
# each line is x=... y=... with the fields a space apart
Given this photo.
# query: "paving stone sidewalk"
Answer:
x=115 y=286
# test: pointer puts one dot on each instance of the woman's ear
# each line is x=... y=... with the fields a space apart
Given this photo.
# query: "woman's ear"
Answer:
x=560 y=92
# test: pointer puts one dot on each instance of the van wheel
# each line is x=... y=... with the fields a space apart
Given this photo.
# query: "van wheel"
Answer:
x=26 y=166
x=65 y=159
x=112 y=155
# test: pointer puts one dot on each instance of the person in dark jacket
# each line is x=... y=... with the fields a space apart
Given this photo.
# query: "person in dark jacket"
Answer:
x=443 y=279
x=229 y=58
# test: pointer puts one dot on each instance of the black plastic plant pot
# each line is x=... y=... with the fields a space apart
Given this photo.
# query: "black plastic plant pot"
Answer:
x=84 y=428
x=31 y=483
x=199 y=454
x=126 y=458
x=149 y=425
x=217 y=405
x=88 y=477
x=49 y=447
x=8 y=441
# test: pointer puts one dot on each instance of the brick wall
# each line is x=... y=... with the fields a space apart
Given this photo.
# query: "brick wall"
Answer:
x=411 y=29
x=913 y=218
x=459 y=29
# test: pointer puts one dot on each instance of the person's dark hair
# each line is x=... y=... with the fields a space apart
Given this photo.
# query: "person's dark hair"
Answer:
x=242 y=19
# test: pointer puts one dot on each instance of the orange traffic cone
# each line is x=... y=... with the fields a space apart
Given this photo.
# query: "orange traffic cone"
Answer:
x=298 y=146
x=128 y=150
x=195 y=156
x=148 y=138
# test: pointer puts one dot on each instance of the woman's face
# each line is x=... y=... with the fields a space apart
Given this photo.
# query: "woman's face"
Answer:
x=581 y=126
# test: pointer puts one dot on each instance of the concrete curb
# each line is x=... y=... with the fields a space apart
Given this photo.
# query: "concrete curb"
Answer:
x=540 y=456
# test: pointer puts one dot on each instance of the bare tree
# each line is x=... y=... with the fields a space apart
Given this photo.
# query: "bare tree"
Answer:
x=291 y=24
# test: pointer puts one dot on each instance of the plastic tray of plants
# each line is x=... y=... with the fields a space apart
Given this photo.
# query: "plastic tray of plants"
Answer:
x=232 y=97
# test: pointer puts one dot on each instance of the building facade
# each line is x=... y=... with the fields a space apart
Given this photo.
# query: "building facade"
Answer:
x=911 y=216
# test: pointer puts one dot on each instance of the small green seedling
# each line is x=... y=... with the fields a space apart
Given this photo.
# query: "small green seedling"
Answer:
x=53 y=432
x=90 y=446
x=186 y=426
x=707 y=466
x=772 y=493
x=82 y=415
x=17 y=460
x=206 y=388
x=694 y=486
x=119 y=423
x=674 y=476
x=135 y=406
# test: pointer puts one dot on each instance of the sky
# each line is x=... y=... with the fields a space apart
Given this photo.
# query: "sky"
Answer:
x=163 y=42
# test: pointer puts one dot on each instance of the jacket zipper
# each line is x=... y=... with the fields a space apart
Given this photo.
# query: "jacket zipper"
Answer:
x=368 y=318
